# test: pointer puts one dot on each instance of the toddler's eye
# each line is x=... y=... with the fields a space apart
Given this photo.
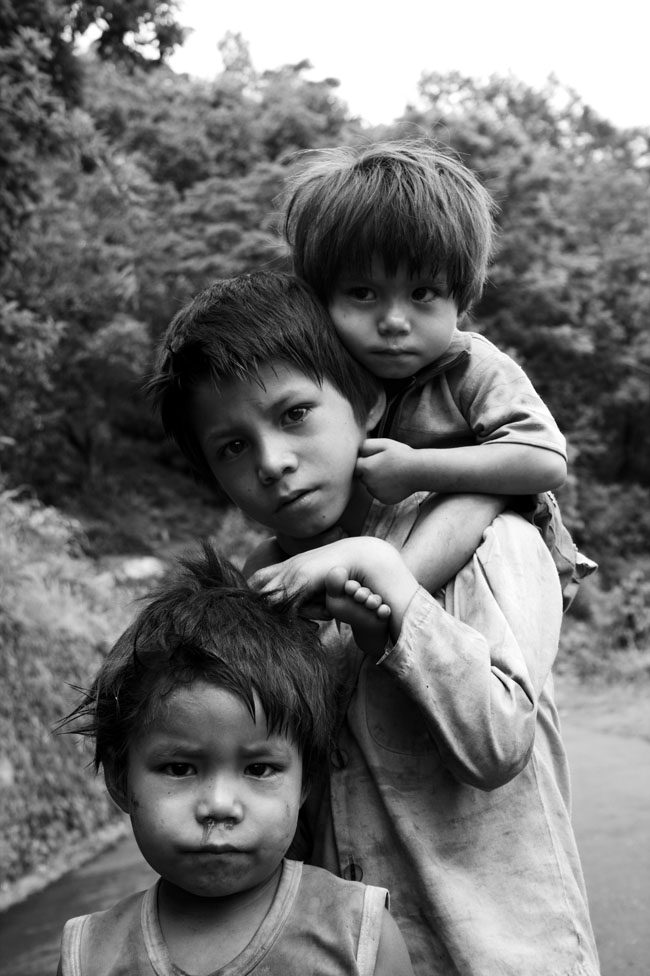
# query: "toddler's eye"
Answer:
x=425 y=293
x=178 y=769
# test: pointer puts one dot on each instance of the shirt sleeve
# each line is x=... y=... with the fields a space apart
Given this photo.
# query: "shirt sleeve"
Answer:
x=499 y=402
x=477 y=665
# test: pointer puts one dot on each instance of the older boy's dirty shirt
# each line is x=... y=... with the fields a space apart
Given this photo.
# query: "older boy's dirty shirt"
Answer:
x=450 y=783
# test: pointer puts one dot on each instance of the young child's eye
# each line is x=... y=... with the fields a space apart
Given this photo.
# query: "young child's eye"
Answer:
x=178 y=769
x=260 y=770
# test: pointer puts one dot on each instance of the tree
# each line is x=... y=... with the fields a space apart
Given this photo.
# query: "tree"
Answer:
x=569 y=293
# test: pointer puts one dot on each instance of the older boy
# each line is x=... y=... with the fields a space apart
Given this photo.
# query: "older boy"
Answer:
x=449 y=782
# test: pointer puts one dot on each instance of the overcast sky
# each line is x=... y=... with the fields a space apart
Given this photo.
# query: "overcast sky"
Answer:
x=378 y=51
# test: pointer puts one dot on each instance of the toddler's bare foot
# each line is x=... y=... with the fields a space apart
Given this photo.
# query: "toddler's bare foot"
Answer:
x=352 y=603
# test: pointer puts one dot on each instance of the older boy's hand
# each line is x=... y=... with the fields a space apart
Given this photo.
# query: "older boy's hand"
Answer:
x=371 y=562
x=385 y=468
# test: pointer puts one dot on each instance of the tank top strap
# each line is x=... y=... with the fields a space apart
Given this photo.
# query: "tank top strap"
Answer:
x=374 y=901
x=71 y=946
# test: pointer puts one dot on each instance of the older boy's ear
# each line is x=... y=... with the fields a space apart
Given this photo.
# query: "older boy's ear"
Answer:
x=375 y=412
x=116 y=786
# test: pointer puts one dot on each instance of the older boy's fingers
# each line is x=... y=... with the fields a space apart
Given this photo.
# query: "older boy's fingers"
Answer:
x=314 y=610
x=262 y=578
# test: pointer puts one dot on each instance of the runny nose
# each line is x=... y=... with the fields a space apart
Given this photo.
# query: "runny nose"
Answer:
x=219 y=805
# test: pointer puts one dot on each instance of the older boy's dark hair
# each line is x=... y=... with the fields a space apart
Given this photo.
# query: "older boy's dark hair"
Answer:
x=207 y=624
x=405 y=201
x=234 y=328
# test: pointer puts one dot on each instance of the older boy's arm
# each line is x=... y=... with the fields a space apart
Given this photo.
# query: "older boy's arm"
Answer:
x=446 y=534
x=392 y=954
x=392 y=471
x=476 y=669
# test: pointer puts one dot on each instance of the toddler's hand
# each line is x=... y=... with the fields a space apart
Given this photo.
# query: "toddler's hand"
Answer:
x=384 y=467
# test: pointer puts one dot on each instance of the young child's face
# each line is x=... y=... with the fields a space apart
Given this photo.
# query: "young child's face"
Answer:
x=393 y=324
x=213 y=798
x=284 y=452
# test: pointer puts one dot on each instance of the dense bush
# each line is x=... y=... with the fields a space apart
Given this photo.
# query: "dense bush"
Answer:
x=59 y=614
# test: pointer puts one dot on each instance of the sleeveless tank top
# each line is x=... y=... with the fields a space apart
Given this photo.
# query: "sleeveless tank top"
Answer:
x=318 y=923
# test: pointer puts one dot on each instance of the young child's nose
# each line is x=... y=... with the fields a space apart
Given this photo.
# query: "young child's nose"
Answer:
x=219 y=804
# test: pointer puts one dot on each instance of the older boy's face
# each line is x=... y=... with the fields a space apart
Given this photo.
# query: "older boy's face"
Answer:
x=395 y=324
x=284 y=451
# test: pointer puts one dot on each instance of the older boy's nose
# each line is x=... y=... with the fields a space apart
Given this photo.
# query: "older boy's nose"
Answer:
x=274 y=459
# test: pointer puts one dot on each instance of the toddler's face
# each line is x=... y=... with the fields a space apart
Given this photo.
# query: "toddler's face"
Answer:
x=393 y=324
x=285 y=451
x=213 y=798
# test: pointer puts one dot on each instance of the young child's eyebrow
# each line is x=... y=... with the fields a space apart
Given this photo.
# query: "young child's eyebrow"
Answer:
x=271 y=740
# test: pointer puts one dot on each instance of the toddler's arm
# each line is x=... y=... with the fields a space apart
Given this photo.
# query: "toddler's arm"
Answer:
x=447 y=533
x=392 y=471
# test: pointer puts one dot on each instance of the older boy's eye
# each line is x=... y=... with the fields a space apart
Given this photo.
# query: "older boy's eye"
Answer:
x=178 y=769
x=361 y=293
x=296 y=415
x=232 y=449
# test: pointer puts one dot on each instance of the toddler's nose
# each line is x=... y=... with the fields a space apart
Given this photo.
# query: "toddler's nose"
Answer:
x=394 y=322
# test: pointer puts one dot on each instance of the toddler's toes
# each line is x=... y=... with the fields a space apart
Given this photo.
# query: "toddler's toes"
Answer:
x=336 y=581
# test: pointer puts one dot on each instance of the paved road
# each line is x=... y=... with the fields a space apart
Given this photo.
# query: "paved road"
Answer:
x=611 y=779
x=611 y=817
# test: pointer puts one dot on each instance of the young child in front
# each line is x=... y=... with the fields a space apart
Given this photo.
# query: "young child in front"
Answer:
x=211 y=716
x=396 y=239
x=449 y=781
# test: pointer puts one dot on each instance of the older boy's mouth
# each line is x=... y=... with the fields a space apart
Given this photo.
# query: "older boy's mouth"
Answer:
x=286 y=500
x=393 y=351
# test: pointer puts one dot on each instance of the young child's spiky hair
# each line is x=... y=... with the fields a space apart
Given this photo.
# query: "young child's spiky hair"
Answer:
x=207 y=624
